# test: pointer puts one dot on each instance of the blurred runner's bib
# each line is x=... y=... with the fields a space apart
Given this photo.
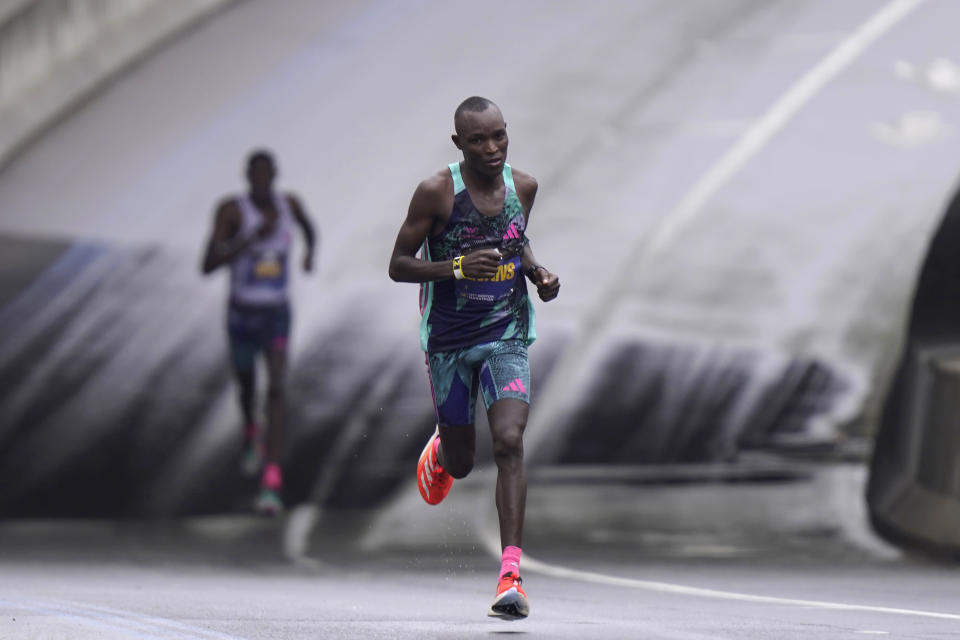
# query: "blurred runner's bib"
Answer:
x=268 y=267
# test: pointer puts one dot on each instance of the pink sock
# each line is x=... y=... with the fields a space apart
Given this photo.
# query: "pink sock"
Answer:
x=510 y=560
x=272 y=477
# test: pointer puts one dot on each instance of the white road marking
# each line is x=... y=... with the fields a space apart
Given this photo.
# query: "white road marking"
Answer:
x=537 y=566
x=789 y=104
x=491 y=542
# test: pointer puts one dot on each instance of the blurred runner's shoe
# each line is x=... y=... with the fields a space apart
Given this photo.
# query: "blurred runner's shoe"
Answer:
x=511 y=600
x=269 y=503
x=433 y=482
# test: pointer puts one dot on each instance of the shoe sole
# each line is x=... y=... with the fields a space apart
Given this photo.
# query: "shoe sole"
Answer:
x=509 y=605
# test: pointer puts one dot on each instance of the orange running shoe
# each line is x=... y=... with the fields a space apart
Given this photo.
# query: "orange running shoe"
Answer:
x=511 y=600
x=434 y=483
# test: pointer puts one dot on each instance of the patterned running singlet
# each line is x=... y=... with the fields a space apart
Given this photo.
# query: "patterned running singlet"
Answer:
x=463 y=313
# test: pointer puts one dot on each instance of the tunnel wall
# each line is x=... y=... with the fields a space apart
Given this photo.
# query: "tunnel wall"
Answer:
x=765 y=337
x=914 y=488
x=118 y=399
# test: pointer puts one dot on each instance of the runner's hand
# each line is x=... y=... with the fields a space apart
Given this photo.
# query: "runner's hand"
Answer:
x=548 y=284
x=481 y=264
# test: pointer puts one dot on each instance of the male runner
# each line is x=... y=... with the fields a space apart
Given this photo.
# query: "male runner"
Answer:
x=469 y=221
x=253 y=234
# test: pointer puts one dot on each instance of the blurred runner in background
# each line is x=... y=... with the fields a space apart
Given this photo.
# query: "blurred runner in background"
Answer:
x=252 y=235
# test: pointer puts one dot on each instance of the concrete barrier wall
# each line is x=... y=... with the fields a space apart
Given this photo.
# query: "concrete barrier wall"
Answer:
x=914 y=489
x=53 y=53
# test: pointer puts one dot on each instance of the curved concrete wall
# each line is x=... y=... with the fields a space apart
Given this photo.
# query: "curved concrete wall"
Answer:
x=53 y=53
x=764 y=320
x=914 y=489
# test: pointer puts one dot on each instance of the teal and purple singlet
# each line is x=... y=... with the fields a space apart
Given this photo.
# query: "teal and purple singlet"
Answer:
x=476 y=331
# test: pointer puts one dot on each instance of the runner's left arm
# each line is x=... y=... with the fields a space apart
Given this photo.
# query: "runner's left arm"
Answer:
x=547 y=283
x=310 y=235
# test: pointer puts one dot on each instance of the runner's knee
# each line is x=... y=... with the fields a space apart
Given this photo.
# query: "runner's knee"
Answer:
x=508 y=443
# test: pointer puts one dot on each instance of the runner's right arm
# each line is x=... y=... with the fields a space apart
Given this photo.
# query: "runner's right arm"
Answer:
x=225 y=242
x=424 y=214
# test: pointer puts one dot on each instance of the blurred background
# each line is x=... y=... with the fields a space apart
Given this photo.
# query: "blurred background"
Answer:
x=748 y=203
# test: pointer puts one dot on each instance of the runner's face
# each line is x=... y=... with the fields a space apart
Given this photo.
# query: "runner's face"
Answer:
x=482 y=136
x=261 y=174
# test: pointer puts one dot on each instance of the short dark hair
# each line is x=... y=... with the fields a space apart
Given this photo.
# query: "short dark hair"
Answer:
x=260 y=155
x=473 y=104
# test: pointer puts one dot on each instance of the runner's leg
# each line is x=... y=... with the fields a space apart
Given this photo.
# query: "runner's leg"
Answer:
x=449 y=453
x=274 y=343
x=454 y=383
x=276 y=398
x=505 y=378
x=243 y=352
x=457 y=449
x=508 y=418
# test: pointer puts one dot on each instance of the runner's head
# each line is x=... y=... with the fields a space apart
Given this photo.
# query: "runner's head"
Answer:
x=261 y=171
x=481 y=134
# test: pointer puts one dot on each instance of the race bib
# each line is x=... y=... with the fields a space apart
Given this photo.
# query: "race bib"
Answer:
x=267 y=266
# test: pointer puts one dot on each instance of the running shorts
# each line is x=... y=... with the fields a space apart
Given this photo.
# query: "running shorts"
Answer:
x=500 y=369
x=255 y=329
